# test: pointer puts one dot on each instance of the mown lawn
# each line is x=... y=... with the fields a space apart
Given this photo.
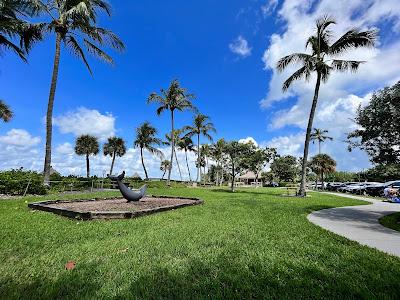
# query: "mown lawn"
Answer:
x=391 y=221
x=248 y=245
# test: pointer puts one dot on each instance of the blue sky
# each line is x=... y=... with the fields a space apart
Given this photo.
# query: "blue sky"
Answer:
x=222 y=51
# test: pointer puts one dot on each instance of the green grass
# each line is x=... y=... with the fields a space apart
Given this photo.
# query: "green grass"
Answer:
x=391 y=221
x=246 y=245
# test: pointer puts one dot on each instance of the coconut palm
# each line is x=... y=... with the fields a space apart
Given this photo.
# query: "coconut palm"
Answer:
x=217 y=153
x=74 y=24
x=322 y=164
x=322 y=62
x=165 y=165
x=13 y=26
x=172 y=99
x=6 y=113
x=114 y=147
x=320 y=136
x=168 y=142
x=201 y=127
x=87 y=145
x=146 y=140
x=185 y=143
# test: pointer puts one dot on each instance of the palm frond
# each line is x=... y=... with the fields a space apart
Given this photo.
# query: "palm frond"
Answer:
x=77 y=50
x=346 y=65
x=96 y=51
x=299 y=74
x=353 y=39
x=292 y=59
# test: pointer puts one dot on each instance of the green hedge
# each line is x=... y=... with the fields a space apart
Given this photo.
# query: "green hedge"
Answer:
x=14 y=182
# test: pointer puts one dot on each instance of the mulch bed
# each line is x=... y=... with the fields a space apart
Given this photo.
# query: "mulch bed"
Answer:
x=113 y=208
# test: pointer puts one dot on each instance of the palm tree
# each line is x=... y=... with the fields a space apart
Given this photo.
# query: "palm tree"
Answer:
x=165 y=165
x=146 y=139
x=201 y=126
x=185 y=143
x=320 y=136
x=115 y=146
x=168 y=142
x=11 y=25
x=174 y=98
x=74 y=25
x=6 y=113
x=322 y=164
x=217 y=153
x=322 y=62
x=87 y=145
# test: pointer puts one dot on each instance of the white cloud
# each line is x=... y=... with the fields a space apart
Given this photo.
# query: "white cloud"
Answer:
x=19 y=138
x=269 y=7
x=240 y=46
x=249 y=139
x=86 y=121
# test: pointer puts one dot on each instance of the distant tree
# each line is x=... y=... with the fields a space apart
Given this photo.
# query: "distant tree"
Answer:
x=285 y=168
x=201 y=127
x=6 y=113
x=13 y=26
x=74 y=24
x=341 y=176
x=217 y=154
x=236 y=158
x=380 y=173
x=259 y=158
x=323 y=61
x=185 y=144
x=87 y=145
x=172 y=99
x=322 y=164
x=146 y=140
x=115 y=146
x=379 y=127
x=320 y=135
x=165 y=165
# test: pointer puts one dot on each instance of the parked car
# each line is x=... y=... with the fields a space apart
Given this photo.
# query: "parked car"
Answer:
x=343 y=188
x=377 y=190
x=361 y=187
x=333 y=186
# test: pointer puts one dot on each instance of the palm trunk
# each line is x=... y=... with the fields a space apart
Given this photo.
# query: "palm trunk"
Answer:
x=112 y=163
x=179 y=167
x=172 y=148
x=319 y=147
x=165 y=171
x=87 y=166
x=322 y=180
x=49 y=115
x=302 y=191
x=198 y=157
x=144 y=167
x=187 y=164
x=233 y=177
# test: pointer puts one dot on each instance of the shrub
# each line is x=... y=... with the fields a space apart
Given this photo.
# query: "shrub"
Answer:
x=14 y=182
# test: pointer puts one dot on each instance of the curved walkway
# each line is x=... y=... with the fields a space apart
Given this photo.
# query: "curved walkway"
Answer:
x=361 y=223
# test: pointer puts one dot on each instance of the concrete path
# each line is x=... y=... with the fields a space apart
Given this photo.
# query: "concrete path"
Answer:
x=360 y=223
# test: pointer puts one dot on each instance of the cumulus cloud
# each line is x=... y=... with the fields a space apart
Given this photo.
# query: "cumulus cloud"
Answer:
x=86 y=121
x=19 y=138
x=249 y=139
x=240 y=46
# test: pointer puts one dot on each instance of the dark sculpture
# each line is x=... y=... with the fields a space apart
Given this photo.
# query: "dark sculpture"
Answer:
x=128 y=194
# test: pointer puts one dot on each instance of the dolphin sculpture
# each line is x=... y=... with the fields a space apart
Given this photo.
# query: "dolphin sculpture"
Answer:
x=129 y=194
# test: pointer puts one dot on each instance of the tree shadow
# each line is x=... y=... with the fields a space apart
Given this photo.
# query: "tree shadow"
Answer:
x=241 y=191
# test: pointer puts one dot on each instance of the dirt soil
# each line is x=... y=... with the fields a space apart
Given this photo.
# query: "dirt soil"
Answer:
x=121 y=204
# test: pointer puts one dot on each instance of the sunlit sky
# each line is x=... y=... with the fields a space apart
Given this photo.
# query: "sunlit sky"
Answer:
x=222 y=51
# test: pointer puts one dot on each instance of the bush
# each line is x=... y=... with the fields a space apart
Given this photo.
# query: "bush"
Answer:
x=14 y=182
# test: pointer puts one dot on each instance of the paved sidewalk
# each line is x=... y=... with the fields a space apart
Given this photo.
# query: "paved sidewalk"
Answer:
x=360 y=223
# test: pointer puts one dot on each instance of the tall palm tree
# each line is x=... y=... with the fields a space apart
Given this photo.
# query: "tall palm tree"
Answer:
x=146 y=140
x=217 y=153
x=320 y=136
x=322 y=164
x=172 y=99
x=75 y=25
x=201 y=126
x=168 y=142
x=322 y=62
x=165 y=165
x=6 y=113
x=12 y=25
x=87 y=145
x=185 y=143
x=115 y=146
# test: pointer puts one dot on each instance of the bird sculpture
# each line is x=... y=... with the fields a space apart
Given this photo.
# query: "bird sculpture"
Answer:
x=129 y=194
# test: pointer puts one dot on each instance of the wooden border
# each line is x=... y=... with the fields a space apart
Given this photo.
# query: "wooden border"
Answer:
x=106 y=215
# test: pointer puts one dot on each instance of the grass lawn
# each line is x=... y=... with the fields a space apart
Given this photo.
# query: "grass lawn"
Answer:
x=246 y=245
x=391 y=221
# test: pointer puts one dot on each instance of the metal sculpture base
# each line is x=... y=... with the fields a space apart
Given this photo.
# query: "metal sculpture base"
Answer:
x=129 y=194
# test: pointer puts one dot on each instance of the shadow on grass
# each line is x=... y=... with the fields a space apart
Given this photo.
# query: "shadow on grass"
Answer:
x=241 y=191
